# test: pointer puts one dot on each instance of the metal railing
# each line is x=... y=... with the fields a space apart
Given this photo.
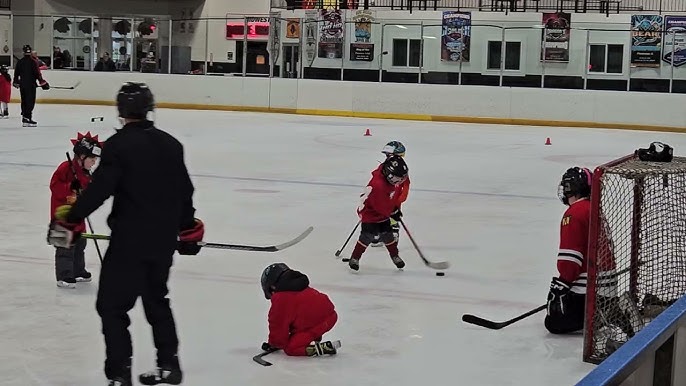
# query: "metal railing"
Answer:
x=602 y=6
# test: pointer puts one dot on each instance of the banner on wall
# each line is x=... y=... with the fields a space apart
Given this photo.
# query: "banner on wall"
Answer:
x=362 y=49
x=292 y=28
x=646 y=40
x=331 y=34
x=674 y=43
x=310 y=24
x=275 y=32
x=455 y=36
x=556 y=37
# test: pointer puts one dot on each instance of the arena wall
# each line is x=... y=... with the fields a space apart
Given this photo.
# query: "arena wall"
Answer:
x=480 y=104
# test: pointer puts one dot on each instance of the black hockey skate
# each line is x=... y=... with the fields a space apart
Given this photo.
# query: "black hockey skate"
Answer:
x=27 y=122
x=162 y=376
x=398 y=262
x=354 y=264
x=119 y=382
x=323 y=348
x=84 y=277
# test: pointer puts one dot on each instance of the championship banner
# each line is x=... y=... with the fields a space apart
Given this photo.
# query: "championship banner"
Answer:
x=292 y=28
x=646 y=40
x=674 y=43
x=556 y=37
x=331 y=34
x=310 y=23
x=455 y=37
x=362 y=49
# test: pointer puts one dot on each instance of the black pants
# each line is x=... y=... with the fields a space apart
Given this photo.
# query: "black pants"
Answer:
x=123 y=278
x=70 y=262
x=28 y=100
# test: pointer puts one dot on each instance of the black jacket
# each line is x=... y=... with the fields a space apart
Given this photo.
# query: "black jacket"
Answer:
x=143 y=168
x=26 y=72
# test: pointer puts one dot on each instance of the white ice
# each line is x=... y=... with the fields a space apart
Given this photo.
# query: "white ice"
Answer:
x=483 y=197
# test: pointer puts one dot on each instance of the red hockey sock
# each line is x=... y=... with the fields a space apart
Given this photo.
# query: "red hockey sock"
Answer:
x=358 y=251
x=392 y=248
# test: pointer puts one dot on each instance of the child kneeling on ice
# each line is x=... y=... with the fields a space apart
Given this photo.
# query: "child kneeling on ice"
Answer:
x=299 y=314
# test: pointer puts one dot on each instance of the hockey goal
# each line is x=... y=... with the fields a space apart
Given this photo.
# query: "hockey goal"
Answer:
x=637 y=249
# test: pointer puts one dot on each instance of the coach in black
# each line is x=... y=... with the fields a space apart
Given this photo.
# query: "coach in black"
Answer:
x=26 y=74
x=152 y=215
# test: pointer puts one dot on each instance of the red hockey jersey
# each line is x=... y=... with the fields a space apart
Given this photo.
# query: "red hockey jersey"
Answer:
x=61 y=191
x=5 y=88
x=296 y=311
x=379 y=199
x=571 y=258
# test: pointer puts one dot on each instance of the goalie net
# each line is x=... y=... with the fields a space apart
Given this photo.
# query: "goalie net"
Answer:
x=637 y=249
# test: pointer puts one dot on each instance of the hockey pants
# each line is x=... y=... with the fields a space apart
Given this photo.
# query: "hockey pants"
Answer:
x=298 y=341
x=70 y=262
x=28 y=100
x=123 y=278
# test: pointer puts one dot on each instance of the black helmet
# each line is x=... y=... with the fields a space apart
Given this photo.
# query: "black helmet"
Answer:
x=394 y=169
x=86 y=144
x=4 y=69
x=135 y=100
x=575 y=182
x=656 y=152
x=27 y=49
x=270 y=276
x=394 y=147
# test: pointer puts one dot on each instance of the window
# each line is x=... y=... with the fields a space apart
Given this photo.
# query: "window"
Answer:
x=606 y=58
x=513 y=53
x=406 y=52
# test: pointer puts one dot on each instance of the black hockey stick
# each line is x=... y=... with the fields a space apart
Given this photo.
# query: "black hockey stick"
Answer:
x=467 y=318
x=238 y=247
x=430 y=264
x=338 y=252
x=88 y=220
x=67 y=88
x=258 y=358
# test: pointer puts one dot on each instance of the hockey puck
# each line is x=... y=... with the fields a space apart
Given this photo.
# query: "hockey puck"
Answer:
x=345 y=259
x=440 y=273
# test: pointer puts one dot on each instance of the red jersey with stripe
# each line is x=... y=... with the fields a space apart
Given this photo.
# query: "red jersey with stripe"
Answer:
x=571 y=258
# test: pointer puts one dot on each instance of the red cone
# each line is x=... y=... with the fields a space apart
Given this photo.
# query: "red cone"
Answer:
x=367 y=133
x=547 y=141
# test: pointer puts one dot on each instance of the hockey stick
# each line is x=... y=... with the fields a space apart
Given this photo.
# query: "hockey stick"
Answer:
x=88 y=220
x=434 y=265
x=238 y=247
x=467 y=318
x=67 y=88
x=338 y=252
x=258 y=358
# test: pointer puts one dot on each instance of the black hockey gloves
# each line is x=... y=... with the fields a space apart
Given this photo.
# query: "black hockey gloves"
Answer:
x=397 y=214
x=559 y=289
x=190 y=238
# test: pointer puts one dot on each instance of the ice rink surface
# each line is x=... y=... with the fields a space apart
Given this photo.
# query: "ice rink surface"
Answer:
x=483 y=197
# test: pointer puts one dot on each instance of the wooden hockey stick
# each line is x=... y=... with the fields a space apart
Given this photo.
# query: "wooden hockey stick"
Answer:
x=467 y=318
x=238 y=247
x=430 y=264
x=258 y=358
x=67 y=88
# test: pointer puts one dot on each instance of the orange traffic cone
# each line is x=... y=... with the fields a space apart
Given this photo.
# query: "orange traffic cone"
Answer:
x=547 y=141
x=367 y=133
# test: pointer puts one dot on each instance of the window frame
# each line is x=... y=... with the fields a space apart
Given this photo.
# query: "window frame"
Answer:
x=607 y=53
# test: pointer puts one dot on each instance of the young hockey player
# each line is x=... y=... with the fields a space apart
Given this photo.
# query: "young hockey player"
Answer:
x=66 y=183
x=5 y=91
x=379 y=205
x=299 y=315
x=396 y=148
x=567 y=294
x=143 y=169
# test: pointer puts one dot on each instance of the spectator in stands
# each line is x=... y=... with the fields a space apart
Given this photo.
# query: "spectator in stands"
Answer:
x=57 y=59
x=105 y=63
